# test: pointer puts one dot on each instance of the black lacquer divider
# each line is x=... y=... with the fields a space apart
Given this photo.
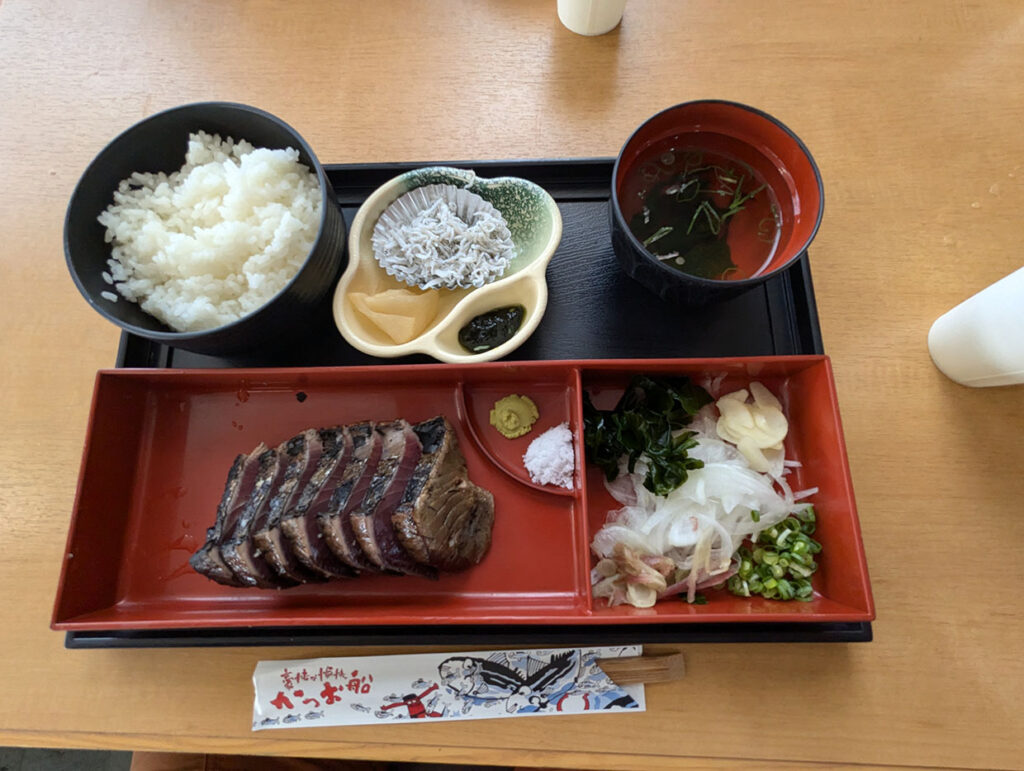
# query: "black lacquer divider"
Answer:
x=594 y=311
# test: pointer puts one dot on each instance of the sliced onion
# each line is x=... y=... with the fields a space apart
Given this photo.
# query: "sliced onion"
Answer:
x=800 y=494
x=622 y=489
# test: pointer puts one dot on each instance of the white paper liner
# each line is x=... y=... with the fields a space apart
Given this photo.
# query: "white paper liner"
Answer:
x=404 y=210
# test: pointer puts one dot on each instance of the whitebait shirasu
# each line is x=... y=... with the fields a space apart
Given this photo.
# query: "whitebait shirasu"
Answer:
x=437 y=248
x=655 y=546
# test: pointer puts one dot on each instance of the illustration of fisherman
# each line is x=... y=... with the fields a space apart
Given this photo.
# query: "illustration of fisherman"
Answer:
x=417 y=709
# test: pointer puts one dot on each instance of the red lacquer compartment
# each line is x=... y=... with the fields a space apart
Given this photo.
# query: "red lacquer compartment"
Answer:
x=158 y=450
x=805 y=387
x=555 y=400
x=160 y=443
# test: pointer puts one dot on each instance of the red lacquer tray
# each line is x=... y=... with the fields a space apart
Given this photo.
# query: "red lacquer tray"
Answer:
x=160 y=443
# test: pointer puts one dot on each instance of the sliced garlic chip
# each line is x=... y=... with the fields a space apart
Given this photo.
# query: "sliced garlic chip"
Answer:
x=763 y=397
x=753 y=427
x=757 y=457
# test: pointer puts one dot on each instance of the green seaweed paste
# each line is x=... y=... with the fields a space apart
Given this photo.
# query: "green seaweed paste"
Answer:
x=491 y=329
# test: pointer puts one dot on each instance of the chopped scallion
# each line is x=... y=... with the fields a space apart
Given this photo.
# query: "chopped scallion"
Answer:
x=659 y=233
x=778 y=565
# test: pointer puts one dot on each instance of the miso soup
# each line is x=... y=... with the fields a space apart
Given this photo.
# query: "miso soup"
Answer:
x=701 y=209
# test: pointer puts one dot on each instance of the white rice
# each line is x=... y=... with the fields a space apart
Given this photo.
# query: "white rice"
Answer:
x=214 y=241
x=439 y=249
x=550 y=458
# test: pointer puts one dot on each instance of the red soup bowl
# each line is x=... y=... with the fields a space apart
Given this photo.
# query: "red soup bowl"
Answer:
x=711 y=198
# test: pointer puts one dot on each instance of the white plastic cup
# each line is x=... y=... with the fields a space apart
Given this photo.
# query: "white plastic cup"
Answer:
x=980 y=342
x=591 y=17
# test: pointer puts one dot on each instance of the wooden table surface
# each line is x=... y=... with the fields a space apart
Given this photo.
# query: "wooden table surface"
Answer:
x=913 y=111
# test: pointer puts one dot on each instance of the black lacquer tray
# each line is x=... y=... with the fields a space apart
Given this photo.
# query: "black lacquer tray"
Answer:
x=594 y=311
